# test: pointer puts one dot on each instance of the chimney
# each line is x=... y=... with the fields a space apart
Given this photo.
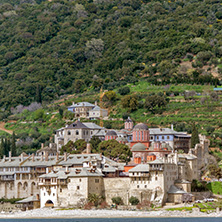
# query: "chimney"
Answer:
x=171 y=126
x=4 y=158
x=42 y=145
x=50 y=145
x=46 y=156
x=22 y=157
x=65 y=156
x=33 y=157
x=57 y=156
x=88 y=148
x=9 y=155
x=73 y=103
x=42 y=157
x=95 y=103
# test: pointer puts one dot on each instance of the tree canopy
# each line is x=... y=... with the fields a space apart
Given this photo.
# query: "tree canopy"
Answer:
x=52 y=48
x=115 y=150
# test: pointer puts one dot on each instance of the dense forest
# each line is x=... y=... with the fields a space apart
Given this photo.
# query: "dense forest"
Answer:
x=52 y=48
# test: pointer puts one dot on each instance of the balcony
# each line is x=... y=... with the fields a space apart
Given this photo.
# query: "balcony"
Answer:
x=7 y=179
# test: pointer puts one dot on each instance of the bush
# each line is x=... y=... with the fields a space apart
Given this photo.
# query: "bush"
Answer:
x=88 y=206
x=134 y=200
x=124 y=91
x=103 y=205
x=117 y=200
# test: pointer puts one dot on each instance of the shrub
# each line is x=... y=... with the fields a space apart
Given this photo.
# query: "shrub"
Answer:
x=103 y=205
x=124 y=91
x=134 y=200
x=117 y=200
x=88 y=206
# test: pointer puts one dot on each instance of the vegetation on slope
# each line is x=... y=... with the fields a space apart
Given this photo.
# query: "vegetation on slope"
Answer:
x=52 y=48
x=202 y=108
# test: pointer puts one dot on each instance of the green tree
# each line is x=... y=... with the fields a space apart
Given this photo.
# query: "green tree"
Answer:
x=80 y=145
x=39 y=114
x=68 y=148
x=115 y=150
x=130 y=102
x=61 y=112
x=109 y=98
x=13 y=145
x=38 y=94
x=134 y=200
x=124 y=91
x=155 y=103
x=95 y=141
x=194 y=136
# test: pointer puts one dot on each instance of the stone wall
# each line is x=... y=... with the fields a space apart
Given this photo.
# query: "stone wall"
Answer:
x=114 y=187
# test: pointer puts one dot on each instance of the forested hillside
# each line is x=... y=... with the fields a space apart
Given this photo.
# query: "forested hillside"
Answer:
x=51 y=48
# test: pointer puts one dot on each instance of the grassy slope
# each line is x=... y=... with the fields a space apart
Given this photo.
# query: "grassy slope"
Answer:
x=178 y=110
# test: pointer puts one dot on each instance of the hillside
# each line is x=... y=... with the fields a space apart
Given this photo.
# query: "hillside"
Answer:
x=53 y=48
x=203 y=107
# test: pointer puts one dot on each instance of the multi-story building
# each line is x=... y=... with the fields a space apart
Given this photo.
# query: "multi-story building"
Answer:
x=70 y=186
x=88 y=110
x=76 y=131
x=68 y=180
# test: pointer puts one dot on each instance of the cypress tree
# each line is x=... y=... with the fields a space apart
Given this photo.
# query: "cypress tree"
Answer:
x=194 y=136
x=38 y=94
x=6 y=146
x=13 y=146
x=2 y=148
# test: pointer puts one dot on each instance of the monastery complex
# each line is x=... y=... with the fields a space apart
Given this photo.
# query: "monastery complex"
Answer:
x=158 y=172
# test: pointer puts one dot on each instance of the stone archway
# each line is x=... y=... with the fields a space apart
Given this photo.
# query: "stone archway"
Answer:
x=49 y=203
x=19 y=187
x=33 y=188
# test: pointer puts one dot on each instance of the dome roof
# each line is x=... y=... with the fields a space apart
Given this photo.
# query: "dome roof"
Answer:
x=139 y=147
x=141 y=126
x=111 y=133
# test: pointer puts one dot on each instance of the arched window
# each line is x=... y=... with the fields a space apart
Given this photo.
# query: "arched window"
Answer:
x=77 y=132
x=69 y=133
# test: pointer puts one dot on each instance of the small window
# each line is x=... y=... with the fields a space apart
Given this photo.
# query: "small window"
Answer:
x=77 y=188
x=163 y=137
x=60 y=190
x=69 y=133
x=168 y=137
x=77 y=132
x=138 y=186
x=157 y=137
x=145 y=186
x=69 y=180
x=96 y=180
x=80 y=180
x=53 y=194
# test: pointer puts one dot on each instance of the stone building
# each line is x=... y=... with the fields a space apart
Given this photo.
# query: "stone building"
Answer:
x=87 y=110
x=77 y=131
x=69 y=185
x=68 y=180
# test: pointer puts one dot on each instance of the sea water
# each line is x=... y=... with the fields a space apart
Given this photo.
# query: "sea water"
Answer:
x=202 y=219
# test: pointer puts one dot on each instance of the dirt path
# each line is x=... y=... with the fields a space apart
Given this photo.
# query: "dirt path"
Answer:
x=2 y=127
